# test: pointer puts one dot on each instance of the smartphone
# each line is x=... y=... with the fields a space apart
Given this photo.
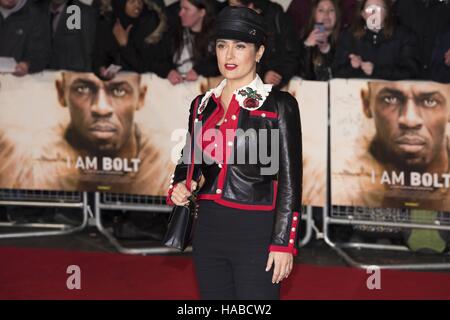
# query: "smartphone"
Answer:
x=320 y=27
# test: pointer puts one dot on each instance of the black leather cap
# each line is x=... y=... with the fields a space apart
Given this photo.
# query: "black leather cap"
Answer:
x=240 y=23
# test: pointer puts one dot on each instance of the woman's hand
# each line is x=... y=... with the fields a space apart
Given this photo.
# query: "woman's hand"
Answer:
x=272 y=77
x=180 y=193
x=174 y=77
x=367 y=67
x=121 y=34
x=355 y=61
x=21 y=69
x=315 y=37
x=283 y=262
x=447 y=58
x=191 y=75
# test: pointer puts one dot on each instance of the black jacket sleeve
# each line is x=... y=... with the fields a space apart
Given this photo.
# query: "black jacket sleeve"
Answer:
x=283 y=49
x=207 y=65
x=38 y=46
x=305 y=66
x=185 y=159
x=439 y=70
x=133 y=56
x=307 y=70
x=407 y=65
x=288 y=202
x=160 y=60
x=341 y=65
x=102 y=47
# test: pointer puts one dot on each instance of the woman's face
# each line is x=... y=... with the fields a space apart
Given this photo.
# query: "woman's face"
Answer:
x=326 y=14
x=374 y=13
x=237 y=59
x=190 y=15
x=133 y=8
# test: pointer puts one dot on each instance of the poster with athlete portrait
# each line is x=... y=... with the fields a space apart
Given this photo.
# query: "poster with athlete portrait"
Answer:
x=72 y=131
x=390 y=144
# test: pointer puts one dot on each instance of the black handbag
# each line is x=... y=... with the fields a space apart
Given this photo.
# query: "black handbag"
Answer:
x=181 y=225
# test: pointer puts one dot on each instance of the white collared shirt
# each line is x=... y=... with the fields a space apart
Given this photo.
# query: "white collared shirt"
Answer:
x=257 y=85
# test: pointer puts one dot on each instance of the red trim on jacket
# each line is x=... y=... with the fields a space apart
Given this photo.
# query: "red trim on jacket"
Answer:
x=291 y=247
x=294 y=251
x=218 y=199
x=229 y=124
x=264 y=114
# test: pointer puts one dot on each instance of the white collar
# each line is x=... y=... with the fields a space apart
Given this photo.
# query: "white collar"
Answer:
x=256 y=90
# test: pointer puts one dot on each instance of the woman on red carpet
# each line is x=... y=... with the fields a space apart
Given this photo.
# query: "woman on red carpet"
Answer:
x=249 y=206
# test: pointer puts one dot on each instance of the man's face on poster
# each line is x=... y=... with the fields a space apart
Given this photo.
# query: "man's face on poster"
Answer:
x=101 y=112
x=410 y=120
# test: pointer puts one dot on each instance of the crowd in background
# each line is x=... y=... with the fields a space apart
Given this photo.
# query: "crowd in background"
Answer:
x=313 y=39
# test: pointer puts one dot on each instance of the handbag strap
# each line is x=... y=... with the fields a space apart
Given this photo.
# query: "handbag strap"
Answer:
x=190 y=171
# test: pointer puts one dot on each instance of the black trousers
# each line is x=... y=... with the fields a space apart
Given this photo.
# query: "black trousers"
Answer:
x=230 y=253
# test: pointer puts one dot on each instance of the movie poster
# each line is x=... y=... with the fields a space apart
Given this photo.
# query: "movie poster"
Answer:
x=312 y=97
x=71 y=131
x=390 y=144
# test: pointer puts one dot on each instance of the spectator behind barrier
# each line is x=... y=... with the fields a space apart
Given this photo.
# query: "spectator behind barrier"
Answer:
x=24 y=36
x=129 y=35
x=174 y=9
x=427 y=19
x=280 y=60
x=299 y=10
x=319 y=41
x=191 y=52
x=71 y=48
x=375 y=47
x=440 y=64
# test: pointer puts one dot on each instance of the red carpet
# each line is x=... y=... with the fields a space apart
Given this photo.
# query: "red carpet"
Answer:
x=41 y=274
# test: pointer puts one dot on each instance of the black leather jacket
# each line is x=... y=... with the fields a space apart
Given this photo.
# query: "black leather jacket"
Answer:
x=243 y=186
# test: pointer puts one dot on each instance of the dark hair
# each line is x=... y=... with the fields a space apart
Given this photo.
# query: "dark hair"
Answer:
x=317 y=57
x=259 y=4
x=359 y=24
x=203 y=38
x=312 y=20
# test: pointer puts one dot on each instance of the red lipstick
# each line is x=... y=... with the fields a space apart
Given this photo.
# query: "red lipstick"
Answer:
x=230 y=66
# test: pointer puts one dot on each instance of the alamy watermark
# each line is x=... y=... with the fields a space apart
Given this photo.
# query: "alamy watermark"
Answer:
x=73 y=282
x=374 y=280
x=237 y=146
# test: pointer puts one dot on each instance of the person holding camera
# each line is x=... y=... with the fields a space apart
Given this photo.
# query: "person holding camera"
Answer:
x=319 y=41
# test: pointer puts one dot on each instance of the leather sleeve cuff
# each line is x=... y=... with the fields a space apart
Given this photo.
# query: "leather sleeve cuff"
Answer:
x=288 y=249
x=291 y=247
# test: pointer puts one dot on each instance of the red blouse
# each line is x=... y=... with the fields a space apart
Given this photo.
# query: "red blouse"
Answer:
x=217 y=142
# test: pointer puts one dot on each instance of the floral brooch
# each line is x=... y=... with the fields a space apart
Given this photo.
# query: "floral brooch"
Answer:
x=252 y=99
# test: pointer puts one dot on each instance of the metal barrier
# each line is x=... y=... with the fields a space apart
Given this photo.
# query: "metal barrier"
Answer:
x=307 y=215
x=114 y=201
x=39 y=198
x=111 y=201
x=390 y=219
